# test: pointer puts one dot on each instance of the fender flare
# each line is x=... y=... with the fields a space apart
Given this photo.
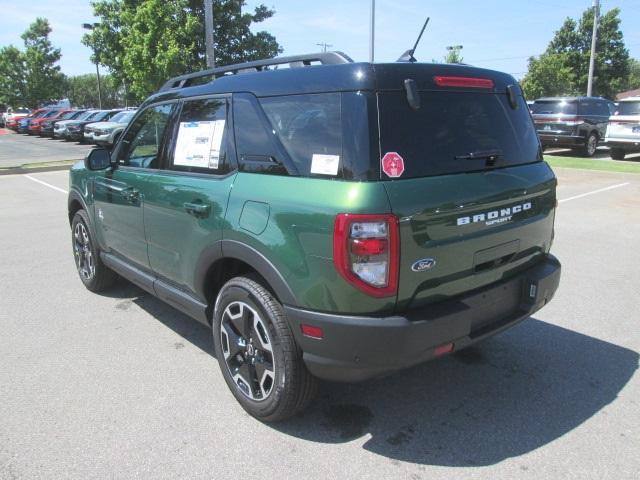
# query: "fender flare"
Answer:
x=74 y=195
x=249 y=255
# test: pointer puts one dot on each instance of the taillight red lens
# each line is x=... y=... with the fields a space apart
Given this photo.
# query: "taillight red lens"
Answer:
x=366 y=252
x=466 y=82
x=369 y=246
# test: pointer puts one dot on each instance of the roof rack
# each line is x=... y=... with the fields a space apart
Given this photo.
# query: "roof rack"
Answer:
x=324 y=58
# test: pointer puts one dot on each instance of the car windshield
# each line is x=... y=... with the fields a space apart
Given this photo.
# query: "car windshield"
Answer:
x=68 y=115
x=123 y=117
x=555 y=107
x=85 y=115
x=629 y=108
x=99 y=116
x=94 y=116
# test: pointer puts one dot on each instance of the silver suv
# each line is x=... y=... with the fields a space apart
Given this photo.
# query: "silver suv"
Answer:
x=623 y=130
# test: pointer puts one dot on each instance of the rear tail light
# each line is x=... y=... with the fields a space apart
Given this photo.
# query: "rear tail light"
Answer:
x=366 y=252
x=465 y=82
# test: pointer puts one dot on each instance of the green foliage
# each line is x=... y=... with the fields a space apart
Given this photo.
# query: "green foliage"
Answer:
x=31 y=77
x=82 y=91
x=453 y=56
x=549 y=75
x=12 y=77
x=634 y=74
x=143 y=43
x=569 y=52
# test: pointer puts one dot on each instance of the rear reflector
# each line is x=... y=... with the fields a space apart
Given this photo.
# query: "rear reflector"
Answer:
x=312 y=332
x=469 y=82
x=442 y=349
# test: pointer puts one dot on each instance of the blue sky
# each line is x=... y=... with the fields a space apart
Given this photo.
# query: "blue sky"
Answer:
x=498 y=34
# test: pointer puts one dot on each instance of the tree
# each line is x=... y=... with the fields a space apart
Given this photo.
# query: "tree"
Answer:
x=31 y=77
x=12 y=76
x=143 y=43
x=43 y=80
x=453 y=56
x=82 y=92
x=634 y=74
x=570 y=50
x=549 y=75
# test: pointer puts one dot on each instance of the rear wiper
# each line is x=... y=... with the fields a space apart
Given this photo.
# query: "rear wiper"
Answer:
x=490 y=155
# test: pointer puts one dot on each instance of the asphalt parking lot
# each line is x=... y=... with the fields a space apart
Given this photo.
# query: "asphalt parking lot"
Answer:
x=19 y=149
x=120 y=385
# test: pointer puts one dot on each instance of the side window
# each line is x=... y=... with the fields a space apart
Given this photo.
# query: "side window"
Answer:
x=603 y=109
x=310 y=128
x=586 y=108
x=141 y=144
x=201 y=142
x=257 y=151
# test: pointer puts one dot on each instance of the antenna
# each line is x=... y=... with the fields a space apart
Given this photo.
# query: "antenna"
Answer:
x=408 y=55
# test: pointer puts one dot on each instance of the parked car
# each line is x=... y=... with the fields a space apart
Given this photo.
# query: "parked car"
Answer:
x=579 y=123
x=60 y=127
x=623 y=130
x=75 y=128
x=106 y=134
x=23 y=123
x=339 y=221
x=35 y=126
x=10 y=117
x=48 y=125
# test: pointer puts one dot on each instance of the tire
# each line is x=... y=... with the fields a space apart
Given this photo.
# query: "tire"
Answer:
x=258 y=356
x=590 y=145
x=617 y=153
x=94 y=274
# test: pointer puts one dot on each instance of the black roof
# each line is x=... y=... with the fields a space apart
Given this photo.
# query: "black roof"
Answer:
x=330 y=77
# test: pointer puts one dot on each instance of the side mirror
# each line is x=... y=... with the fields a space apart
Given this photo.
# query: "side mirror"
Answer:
x=97 y=159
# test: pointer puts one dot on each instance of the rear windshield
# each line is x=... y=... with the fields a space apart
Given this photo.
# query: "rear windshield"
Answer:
x=455 y=132
x=628 y=108
x=554 y=107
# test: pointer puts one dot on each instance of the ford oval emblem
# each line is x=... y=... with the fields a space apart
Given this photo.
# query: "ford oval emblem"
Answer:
x=423 y=264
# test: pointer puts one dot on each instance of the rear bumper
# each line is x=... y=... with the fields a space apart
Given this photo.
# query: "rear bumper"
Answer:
x=625 y=143
x=356 y=348
x=561 y=140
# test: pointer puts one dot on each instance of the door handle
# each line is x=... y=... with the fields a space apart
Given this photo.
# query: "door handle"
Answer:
x=197 y=209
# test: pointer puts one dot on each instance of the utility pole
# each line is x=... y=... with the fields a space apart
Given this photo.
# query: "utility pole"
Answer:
x=324 y=46
x=208 y=33
x=89 y=26
x=372 y=31
x=592 y=59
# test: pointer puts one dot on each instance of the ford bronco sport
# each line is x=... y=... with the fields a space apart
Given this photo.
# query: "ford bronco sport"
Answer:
x=333 y=220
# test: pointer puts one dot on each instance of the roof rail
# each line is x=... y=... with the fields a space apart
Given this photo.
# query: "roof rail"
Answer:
x=324 y=58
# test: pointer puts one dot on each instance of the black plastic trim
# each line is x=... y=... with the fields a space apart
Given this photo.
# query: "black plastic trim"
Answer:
x=356 y=348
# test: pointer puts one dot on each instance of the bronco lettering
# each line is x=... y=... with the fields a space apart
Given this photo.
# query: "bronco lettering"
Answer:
x=495 y=216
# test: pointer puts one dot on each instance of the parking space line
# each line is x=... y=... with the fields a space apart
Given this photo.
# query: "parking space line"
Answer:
x=593 y=192
x=46 y=184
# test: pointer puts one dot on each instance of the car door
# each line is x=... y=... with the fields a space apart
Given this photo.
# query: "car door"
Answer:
x=185 y=202
x=119 y=194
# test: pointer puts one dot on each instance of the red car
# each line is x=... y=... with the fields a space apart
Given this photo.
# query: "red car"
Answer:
x=14 y=123
x=36 y=124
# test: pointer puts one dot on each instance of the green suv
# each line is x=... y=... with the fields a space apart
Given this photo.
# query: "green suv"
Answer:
x=331 y=220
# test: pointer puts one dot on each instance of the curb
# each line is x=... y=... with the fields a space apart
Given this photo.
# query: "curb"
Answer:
x=22 y=171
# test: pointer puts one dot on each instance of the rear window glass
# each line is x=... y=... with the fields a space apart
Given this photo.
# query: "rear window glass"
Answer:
x=554 y=107
x=310 y=129
x=628 y=108
x=454 y=132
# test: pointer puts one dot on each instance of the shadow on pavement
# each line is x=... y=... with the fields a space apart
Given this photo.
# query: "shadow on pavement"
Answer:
x=503 y=398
